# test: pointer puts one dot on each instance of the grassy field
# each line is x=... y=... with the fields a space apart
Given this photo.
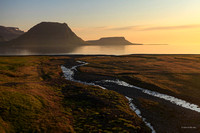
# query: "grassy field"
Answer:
x=176 y=75
x=35 y=97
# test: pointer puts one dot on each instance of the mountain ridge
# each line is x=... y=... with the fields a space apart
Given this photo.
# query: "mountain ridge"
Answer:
x=49 y=34
x=44 y=38
x=9 y=33
x=111 y=41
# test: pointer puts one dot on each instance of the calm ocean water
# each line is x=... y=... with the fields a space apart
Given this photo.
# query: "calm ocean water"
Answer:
x=138 y=49
x=113 y=50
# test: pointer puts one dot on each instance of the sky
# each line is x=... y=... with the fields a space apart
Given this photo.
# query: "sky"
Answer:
x=175 y=22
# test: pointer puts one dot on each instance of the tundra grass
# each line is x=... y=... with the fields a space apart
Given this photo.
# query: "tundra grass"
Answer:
x=35 y=97
x=177 y=75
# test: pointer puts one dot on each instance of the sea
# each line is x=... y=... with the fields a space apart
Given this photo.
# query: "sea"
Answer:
x=113 y=50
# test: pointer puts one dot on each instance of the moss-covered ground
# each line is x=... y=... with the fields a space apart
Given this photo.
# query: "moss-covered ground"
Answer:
x=35 y=97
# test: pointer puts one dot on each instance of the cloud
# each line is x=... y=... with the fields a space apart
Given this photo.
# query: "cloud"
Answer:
x=138 y=28
x=123 y=28
x=90 y=28
x=149 y=28
x=172 y=27
x=102 y=27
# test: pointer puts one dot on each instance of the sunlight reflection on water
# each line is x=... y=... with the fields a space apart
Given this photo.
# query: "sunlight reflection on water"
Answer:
x=137 y=49
x=108 y=50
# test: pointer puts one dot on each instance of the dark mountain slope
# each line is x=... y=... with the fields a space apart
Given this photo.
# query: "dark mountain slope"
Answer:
x=111 y=41
x=9 y=33
x=49 y=34
x=44 y=38
x=2 y=39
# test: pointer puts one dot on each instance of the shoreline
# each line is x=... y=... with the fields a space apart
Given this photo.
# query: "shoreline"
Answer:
x=76 y=55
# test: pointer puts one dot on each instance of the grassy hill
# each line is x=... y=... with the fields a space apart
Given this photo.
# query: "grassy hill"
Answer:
x=35 y=97
x=174 y=75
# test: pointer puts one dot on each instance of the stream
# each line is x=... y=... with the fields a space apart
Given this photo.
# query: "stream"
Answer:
x=70 y=72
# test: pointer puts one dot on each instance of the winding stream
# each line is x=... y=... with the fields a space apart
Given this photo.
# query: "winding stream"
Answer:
x=69 y=75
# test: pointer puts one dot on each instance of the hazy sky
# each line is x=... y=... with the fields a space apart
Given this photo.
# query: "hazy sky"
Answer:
x=143 y=21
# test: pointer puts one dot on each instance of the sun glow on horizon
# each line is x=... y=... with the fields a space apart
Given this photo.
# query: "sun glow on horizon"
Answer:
x=159 y=21
x=173 y=35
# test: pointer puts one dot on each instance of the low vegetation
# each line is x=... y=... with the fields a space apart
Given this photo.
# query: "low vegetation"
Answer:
x=35 y=97
x=176 y=75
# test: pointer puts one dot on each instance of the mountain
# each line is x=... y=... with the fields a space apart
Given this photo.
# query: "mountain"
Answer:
x=45 y=37
x=49 y=34
x=2 y=39
x=9 y=33
x=111 y=41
